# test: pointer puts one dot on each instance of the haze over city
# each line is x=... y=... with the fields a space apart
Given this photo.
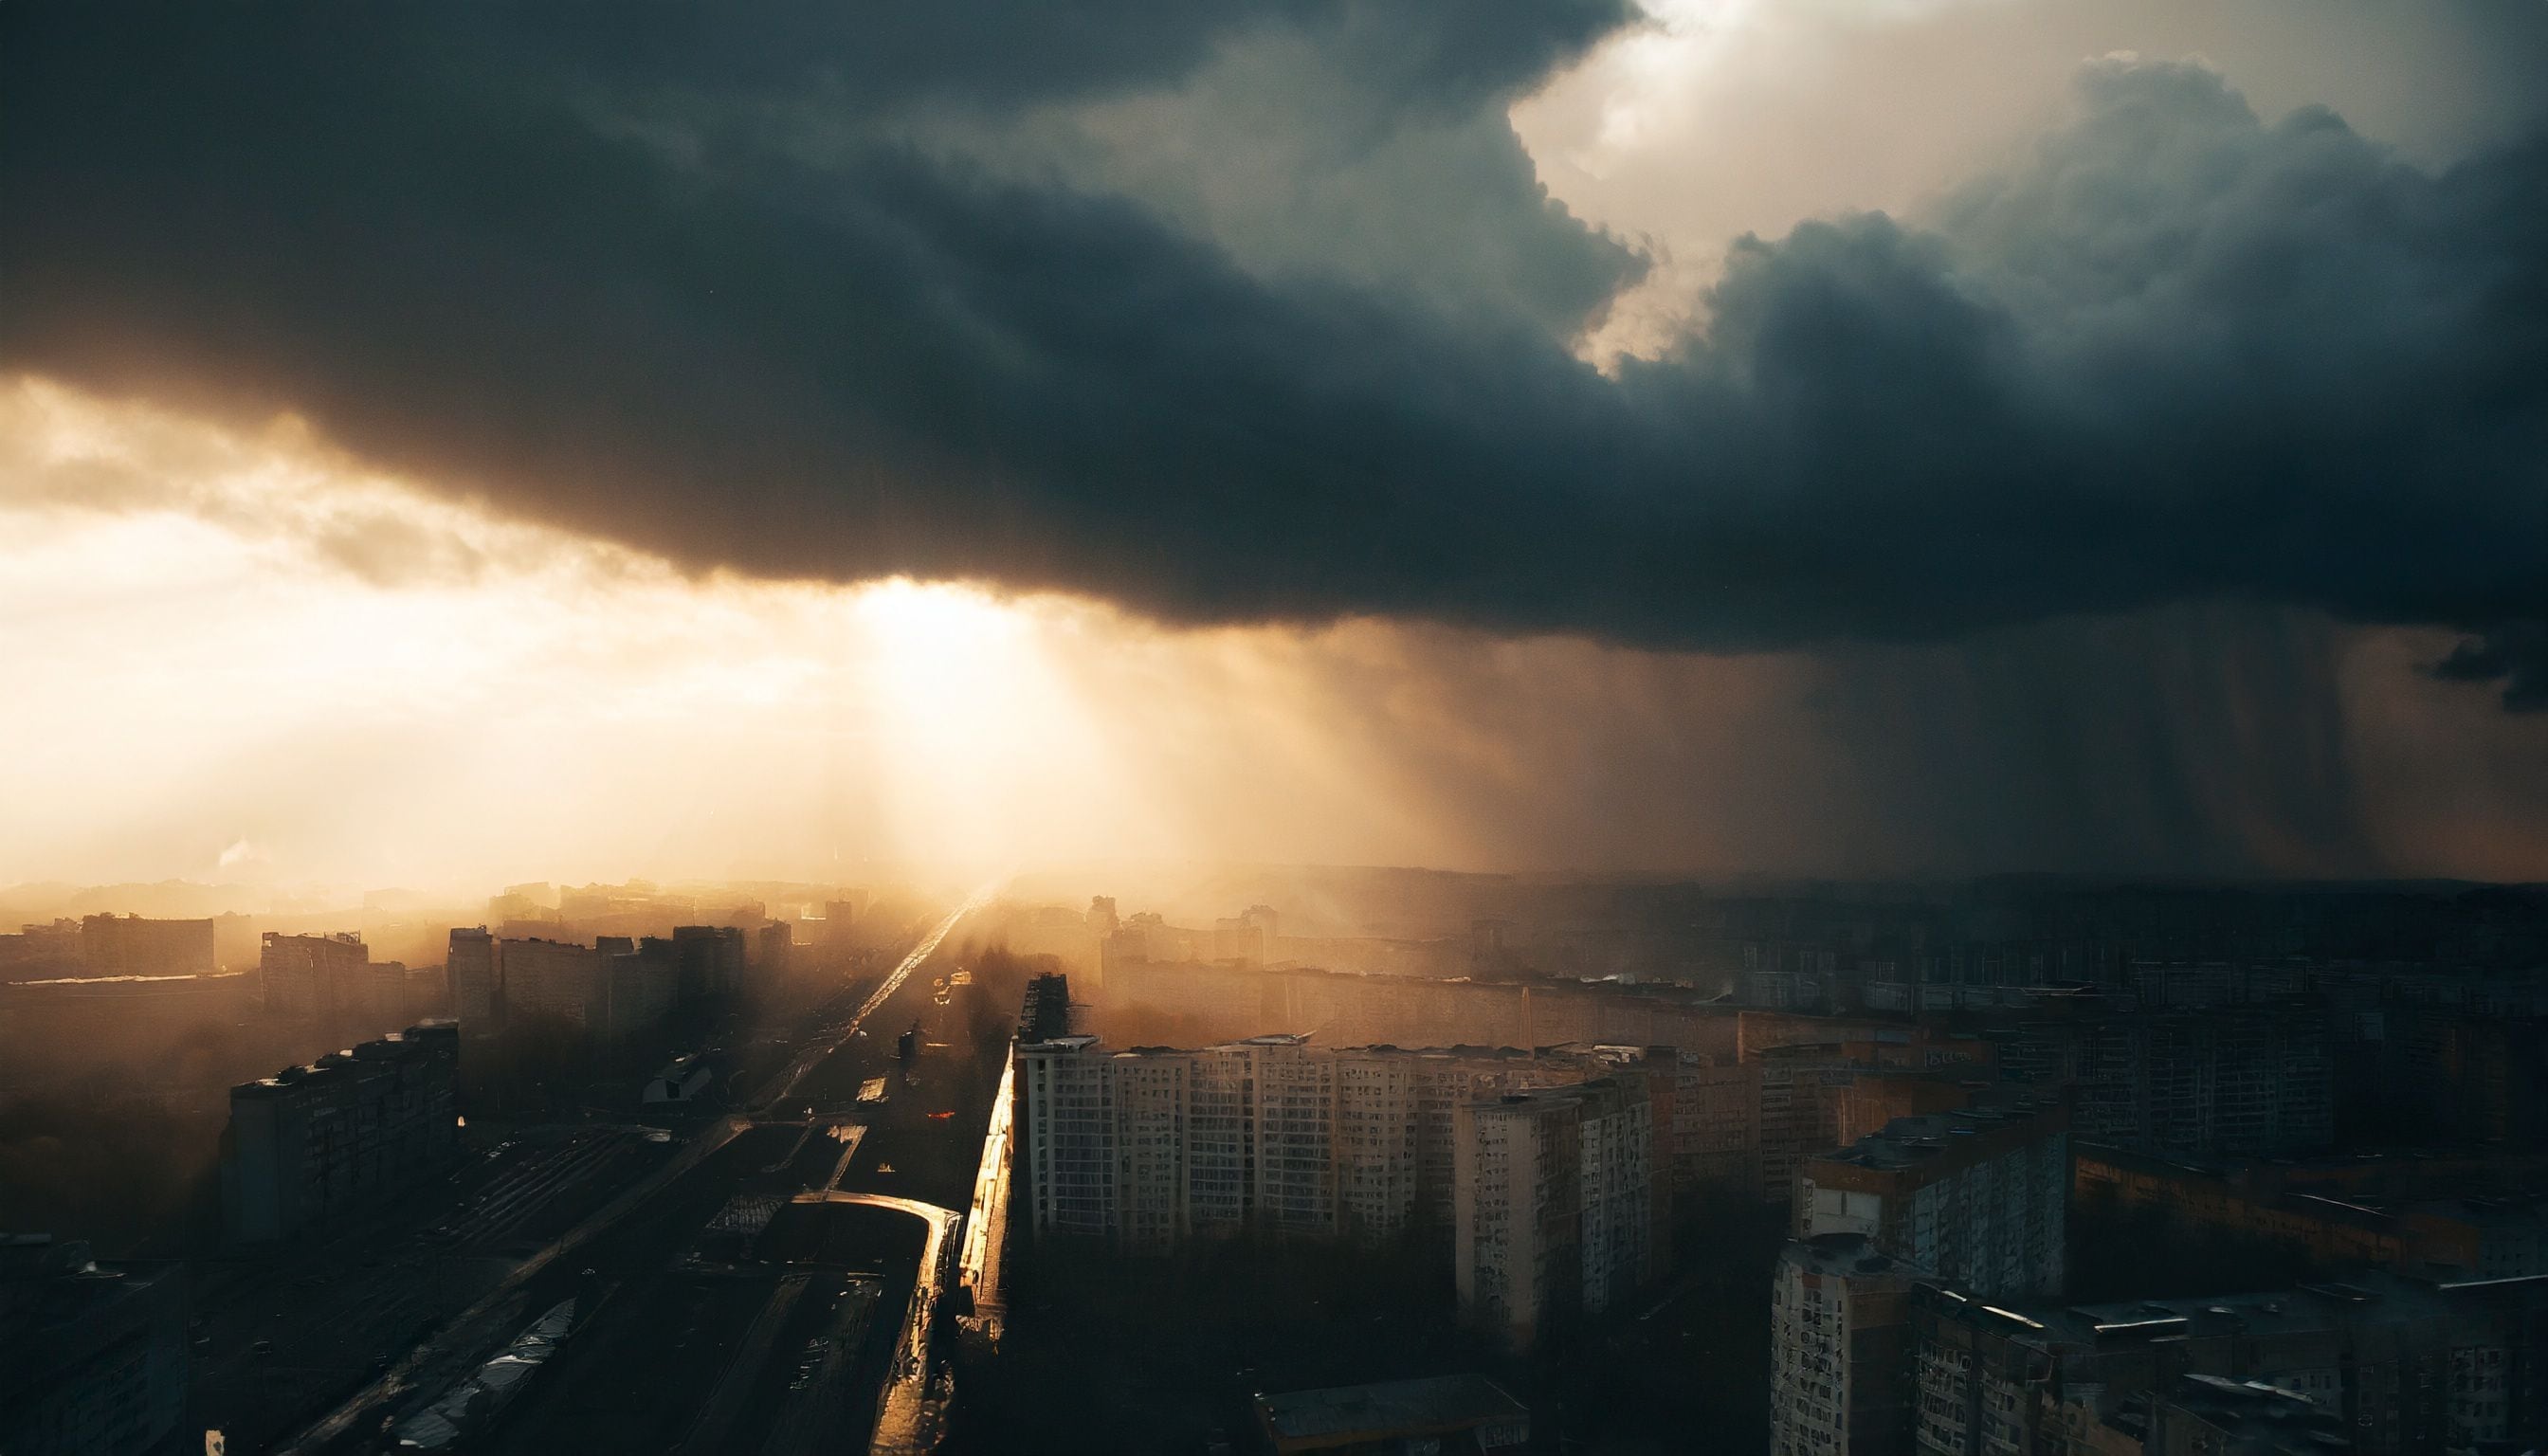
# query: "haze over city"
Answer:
x=1357 y=726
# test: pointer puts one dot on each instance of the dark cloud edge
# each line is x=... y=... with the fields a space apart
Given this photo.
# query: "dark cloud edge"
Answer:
x=2181 y=355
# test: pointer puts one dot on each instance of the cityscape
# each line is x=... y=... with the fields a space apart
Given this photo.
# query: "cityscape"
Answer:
x=1285 y=728
x=2024 y=1164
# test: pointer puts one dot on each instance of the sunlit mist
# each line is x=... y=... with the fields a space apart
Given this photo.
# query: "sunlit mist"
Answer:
x=234 y=656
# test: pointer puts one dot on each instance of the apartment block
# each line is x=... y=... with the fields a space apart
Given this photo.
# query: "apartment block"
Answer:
x=313 y=1144
x=1552 y=1204
x=2253 y=1079
x=128 y=944
x=2476 y=1078
x=1519 y=1231
x=1151 y=1146
x=1069 y=1124
x=94 y=1355
x=606 y=992
x=1979 y=1198
x=2472 y=1218
x=322 y=980
x=1839 y=1349
x=1295 y=1109
x=712 y=960
x=1801 y=1090
x=2401 y=1365
x=1716 y=1133
x=476 y=991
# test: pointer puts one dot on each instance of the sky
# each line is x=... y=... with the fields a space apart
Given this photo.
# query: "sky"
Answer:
x=1902 y=437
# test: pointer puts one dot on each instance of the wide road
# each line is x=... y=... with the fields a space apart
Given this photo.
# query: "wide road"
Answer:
x=667 y=1301
x=785 y=1084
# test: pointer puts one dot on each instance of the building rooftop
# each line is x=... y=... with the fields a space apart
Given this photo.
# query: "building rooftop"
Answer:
x=1910 y=1140
x=1446 y=1403
x=418 y=1040
x=45 y=1282
x=2304 y=1309
x=1061 y=1044
x=2259 y=1417
x=1844 y=1254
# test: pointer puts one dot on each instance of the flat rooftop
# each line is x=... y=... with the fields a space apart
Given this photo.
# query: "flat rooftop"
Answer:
x=1445 y=1402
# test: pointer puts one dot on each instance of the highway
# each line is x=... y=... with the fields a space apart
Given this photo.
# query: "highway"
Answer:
x=783 y=1085
x=709 y=1331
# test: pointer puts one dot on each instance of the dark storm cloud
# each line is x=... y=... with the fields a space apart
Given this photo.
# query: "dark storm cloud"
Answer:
x=697 y=285
x=2513 y=655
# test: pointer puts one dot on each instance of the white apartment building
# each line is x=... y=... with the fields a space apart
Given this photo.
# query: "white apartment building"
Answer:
x=1152 y=1146
x=1519 y=1162
x=1070 y=1136
x=1375 y=1144
x=1295 y=1108
x=1220 y=1139
x=1553 y=1203
x=1149 y=1142
x=1839 y=1349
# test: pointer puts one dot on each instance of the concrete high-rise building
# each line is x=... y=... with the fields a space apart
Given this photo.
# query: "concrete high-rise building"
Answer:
x=775 y=945
x=93 y=1358
x=1553 y=1203
x=1152 y=1146
x=1044 y=1013
x=322 y=979
x=711 y=959
x=1801 y=1087
x=1296 y=1174
x=2406 y=1365
x=1979 y=1198
x=1221 y=1139
x=477 y=990
x=839 y=925
x=1069 y=1137
x=643 y=984
x=1716 y=1133
x=554 y=981
x=1380 y=1123
x=1150 y=1091
x=313 y=1144
x=606 y=992
x=1101 y=922
x=2254 y=1079
x=1620 y=1236
x=1839 y=1349
x=1518 y=1218
x=127 y=945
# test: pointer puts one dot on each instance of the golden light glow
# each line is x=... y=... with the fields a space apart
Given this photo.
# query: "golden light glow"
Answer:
x=230 y=656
